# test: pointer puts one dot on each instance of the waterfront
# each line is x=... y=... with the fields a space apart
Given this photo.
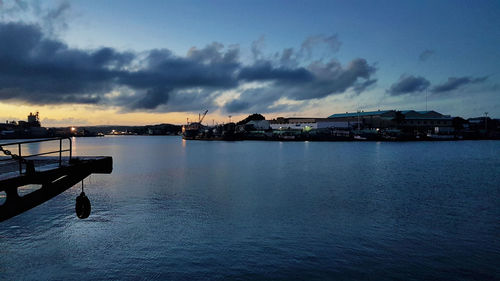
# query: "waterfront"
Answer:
x=175 y=209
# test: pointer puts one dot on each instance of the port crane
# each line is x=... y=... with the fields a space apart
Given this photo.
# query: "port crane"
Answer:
x=200 y=118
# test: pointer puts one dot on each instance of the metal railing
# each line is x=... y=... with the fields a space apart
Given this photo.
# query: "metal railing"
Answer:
x=23 y=158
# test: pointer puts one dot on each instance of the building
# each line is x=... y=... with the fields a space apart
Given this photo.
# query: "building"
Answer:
x=409 y=121
x=427 y=122
x=261 y=125
x=367 y=120
x=483 y=126
x=34 y=120
x=24 y=129
x=301 y=123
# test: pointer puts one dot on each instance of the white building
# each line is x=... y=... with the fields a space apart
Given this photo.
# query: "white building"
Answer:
x=307 y=123
x=259 y=124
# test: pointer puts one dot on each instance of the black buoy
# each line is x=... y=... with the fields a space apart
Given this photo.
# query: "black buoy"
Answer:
x=82 y=206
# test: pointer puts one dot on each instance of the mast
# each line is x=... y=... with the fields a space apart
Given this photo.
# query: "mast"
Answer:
x=359 y=128
x=426 y=92
x=486 y=122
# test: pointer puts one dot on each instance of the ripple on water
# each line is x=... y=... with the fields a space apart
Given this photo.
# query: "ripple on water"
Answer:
x=268 y=210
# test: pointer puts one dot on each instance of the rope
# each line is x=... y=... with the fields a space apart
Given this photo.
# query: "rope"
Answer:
x=12 y=155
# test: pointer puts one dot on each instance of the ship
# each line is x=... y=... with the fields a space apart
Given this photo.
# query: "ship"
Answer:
x=191 y=130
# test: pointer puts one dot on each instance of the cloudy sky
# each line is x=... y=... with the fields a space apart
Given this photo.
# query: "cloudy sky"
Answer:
x=144 y=62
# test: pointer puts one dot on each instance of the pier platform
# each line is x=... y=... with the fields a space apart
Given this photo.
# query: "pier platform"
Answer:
x=53 y=174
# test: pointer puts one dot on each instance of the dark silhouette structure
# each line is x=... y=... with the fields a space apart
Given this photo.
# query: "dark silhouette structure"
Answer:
x=53 y=174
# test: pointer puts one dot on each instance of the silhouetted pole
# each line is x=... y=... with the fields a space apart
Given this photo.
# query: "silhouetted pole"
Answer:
x=426 y=92
x=359 y=128
x=486 y=121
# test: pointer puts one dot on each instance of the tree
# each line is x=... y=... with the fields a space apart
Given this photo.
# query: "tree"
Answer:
x=399 y=118
x=458 y=123
x=253 y=117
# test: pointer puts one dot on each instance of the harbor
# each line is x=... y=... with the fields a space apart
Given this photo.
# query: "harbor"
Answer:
x=386 y=125
x=380 y=125
x=246 y=140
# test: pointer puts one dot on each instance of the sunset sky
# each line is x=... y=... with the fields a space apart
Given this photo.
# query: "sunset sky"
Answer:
x=147 y=62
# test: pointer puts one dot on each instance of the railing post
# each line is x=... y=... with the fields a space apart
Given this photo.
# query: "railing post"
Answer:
x=70 y=148
x=60 y=151
x=20 y=159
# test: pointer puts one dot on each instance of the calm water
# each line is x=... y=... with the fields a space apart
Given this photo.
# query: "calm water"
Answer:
x=269 y=210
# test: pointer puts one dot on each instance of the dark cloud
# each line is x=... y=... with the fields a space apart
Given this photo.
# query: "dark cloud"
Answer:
x=207 y=67
x=46 y=71
x=192 y=100
x=408 y=84
x=426 y=54
x=332 y=78
x=38 y=69
x=316 y=81
x=361 y=87
x=261 y=100
x=263 y=70
x=330 y=43
x=454 y=83
x=152 y=99
x=236 y=106
x=161 y=99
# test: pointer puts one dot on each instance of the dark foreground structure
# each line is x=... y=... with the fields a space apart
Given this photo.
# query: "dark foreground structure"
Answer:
x=51 y=174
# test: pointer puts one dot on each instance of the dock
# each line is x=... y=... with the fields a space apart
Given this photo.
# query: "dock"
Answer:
x=53 y=171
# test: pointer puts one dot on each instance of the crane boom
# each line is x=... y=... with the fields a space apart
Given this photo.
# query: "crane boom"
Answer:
x=201 y=119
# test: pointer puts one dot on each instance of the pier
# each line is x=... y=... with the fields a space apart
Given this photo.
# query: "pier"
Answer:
x=53 y=171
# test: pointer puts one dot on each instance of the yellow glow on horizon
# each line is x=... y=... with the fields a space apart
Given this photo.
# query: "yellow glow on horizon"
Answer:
x=88 y=115
x=68 y=115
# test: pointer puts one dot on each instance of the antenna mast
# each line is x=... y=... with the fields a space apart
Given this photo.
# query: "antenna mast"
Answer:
x=486 y=121
x=426 y=92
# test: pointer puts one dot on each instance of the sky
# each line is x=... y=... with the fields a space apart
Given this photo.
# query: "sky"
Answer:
x=149 y=62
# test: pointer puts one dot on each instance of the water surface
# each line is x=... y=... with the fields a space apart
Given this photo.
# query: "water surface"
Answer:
x=195 y=210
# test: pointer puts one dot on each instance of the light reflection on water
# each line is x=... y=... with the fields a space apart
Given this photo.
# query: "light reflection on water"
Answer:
x=197 y=210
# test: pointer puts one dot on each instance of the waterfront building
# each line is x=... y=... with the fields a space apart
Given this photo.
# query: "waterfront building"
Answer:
x=24 y=129
x=368 y=120
x=410 y=121
x=34 y=120
x=261 y=125
x=426 y=121
x=301 y=123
